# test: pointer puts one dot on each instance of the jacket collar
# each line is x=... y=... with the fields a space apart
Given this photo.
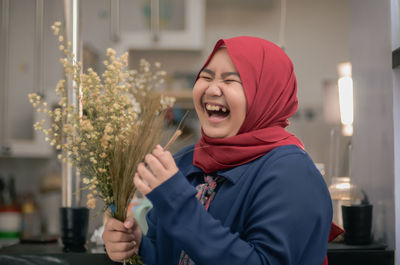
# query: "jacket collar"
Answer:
x=231 y=174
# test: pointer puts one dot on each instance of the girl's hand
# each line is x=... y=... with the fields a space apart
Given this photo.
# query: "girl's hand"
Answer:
x=160 y=167
x=122 y=240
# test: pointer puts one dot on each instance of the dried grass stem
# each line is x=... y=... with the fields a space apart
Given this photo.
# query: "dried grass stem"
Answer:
x=173 y=139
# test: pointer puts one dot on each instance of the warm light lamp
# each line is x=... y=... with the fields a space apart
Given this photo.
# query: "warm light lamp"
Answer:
x=345 y=85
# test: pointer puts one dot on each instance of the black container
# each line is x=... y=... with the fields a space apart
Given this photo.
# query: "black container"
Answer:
x=357 y=223
x=74 y=228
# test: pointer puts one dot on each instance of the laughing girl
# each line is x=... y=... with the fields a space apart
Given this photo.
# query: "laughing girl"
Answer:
x=247 y=193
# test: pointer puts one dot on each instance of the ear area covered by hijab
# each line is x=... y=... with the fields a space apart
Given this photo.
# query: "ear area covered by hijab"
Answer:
x=271 y=91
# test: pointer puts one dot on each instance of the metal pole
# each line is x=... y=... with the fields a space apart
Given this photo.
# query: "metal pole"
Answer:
x=332 y=153
x=114 y=20
x=38 y=56
x=350 y=169
x=71 y=181
x=155 y=20
x=4 y=81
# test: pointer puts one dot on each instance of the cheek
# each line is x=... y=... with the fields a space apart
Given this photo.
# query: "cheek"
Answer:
x=239 y=101
x=239 y=107
x=244 y=108
x=240 y=114
x=197 y=93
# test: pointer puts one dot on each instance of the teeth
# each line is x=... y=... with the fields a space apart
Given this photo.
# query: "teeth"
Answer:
x=215 y=108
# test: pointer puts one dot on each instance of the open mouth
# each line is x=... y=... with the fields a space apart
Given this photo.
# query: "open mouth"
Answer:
x=215 y=110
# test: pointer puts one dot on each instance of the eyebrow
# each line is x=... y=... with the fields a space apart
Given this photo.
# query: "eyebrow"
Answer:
x=223 y=75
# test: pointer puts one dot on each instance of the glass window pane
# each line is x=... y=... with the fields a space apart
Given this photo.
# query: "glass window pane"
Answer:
x=136 y=15
x=172 y=14
x=21 y=68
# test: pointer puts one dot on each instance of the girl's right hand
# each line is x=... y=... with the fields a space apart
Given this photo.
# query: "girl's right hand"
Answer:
x=122 y=240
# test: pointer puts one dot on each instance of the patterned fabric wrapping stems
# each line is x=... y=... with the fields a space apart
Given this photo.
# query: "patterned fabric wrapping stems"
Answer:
x=205 y=194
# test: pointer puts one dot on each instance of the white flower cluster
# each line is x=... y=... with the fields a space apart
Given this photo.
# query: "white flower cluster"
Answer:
x=109 y=108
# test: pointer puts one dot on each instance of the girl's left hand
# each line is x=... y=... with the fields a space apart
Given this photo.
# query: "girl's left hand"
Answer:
x=160 y=167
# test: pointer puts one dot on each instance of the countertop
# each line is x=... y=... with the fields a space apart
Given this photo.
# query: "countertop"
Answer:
x=372 y=254
x=48 y=254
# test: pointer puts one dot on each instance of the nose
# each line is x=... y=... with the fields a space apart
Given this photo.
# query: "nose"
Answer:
x=213 y=89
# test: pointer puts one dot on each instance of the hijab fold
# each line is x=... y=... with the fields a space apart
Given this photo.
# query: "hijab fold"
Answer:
x=270 y=87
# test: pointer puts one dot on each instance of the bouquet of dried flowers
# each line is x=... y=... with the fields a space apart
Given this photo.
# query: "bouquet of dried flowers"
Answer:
x=107 y=132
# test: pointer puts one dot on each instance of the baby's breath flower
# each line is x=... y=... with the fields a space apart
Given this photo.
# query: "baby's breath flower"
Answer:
x=110 y=52
x=86 y=125
x=56 y=31
x=91 y=203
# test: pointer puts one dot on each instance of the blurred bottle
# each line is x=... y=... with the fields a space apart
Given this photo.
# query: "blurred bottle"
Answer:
x=31 y=225
x=343 y=193
x=12 y=190
x=10 y=212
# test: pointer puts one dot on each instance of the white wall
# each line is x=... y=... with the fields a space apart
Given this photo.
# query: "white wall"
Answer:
x=316 y=38
x=370 y=53
x=396 y=118
x=395 y=18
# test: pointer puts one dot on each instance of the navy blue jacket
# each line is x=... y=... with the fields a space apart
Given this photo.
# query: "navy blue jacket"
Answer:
x=274 y=210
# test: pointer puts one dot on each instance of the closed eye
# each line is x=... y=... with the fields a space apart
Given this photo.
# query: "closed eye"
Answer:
x=231 y=81
x=205 y=77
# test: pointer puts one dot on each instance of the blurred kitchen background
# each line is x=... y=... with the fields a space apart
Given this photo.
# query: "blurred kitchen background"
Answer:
x=318 y=35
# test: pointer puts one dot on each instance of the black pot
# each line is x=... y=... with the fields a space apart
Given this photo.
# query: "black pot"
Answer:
x=357 y=223
x=74 y=228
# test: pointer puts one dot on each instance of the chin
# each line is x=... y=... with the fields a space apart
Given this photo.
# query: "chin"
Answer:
x=215 y=134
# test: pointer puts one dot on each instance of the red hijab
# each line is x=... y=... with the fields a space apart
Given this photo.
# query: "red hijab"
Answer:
x=270 y=87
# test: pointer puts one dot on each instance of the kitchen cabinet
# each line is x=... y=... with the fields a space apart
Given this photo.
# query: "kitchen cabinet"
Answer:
x=23 y=71
x=158 y=24
x=29 y=52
